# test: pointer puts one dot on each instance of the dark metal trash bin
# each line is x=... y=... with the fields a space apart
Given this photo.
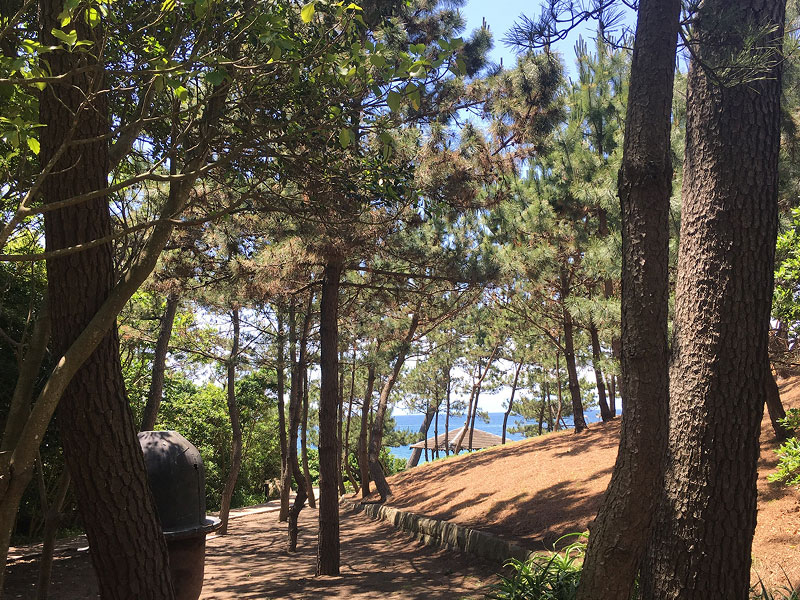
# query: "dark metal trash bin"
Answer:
x=177 y=480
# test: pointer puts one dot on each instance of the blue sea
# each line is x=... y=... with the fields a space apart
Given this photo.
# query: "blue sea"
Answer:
x=495 y=426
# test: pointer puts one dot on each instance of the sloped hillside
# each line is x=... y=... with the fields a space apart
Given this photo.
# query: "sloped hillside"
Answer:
x=537 y=490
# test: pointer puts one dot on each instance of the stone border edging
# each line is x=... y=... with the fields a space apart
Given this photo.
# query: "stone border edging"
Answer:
x=444 y=534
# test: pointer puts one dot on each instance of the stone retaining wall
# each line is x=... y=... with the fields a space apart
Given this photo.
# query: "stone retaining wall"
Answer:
x=444 y=534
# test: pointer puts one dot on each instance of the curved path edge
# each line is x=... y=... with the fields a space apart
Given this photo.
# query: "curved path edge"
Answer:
x=444 y=534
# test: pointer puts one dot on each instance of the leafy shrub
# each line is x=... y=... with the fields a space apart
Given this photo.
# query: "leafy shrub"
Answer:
x=548 y=576
x=789 y=452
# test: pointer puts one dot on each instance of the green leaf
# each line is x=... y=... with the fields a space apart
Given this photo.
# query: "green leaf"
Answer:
x=462 y=66
x=308 y=12
x=182 y=93
x=345 y=137
x=68 y=38
x=93 y=17
x=168 y=5
x=393 y=100
x=377 y=60
x=353 y=6
x=216 y=77
x=33 y=144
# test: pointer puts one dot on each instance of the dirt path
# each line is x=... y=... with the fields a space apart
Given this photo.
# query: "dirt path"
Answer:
x=251 y=563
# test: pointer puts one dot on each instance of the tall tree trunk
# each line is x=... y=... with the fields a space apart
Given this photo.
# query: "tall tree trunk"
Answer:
x=612 y=394
x=605 y=410
x=447 y=415
x=236 y=428
x=328 y=547
x=340 y=432
x=363 y=451
x=413 y=460
x=511 y=403
x=156 y=391
x=376 y=435
x=280 y=368
x=295 y=417
x=560 y=392
x=621 y=529
x=478 y=393
x=436 y=423
x=701 y=545
x=302 y=390
x=772 y=399
x=52 y=521
x=578 y=419
x=350 y=475
x=95 y=422
x=545 y=404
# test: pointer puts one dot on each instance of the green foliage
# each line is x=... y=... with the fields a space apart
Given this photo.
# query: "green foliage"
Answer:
x=789 y=452
x=549 y=576
x=786 y=592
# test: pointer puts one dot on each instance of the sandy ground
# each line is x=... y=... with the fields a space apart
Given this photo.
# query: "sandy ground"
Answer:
x=531 y=492
x=252 y=563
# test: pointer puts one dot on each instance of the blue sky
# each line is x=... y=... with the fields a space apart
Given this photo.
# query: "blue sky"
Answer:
x=501 y=15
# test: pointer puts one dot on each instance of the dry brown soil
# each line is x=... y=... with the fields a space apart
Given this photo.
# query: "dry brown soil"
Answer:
x=531 y=492
x=538 y=490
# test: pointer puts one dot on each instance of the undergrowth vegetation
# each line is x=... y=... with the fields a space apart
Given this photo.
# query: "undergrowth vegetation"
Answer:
x=789 y=452
x=555 y=576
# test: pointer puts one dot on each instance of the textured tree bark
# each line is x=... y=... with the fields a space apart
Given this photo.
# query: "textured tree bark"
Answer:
x=97 y=429
x=363 y=451
x=156 y=391
x=701 y=545
x=578 y=420
x=236 y=428
x=605 y=410
x=511 y=404
x=339 y=437
x=328 y=547
x=376 y=434
x=620 y=532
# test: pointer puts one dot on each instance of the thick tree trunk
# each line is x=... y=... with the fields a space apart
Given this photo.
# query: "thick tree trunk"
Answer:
x=280 y=368
x=605 y=410
x=578 y=419
x=236 y=428
x=363 y=451
x=156 y=391
x=511 y=403
x=376 y=434
x=328 y=547
x=96 y=425
x=621 y=530
x=701 y=545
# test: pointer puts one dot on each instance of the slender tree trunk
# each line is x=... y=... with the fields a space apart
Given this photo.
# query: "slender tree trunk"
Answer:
x=350 y=475
x=280 y=367
x=560 y=393
x=436 y=423
x=545 y=403
x=511 y=403
x=701 y=545
x=572 y=371
x=302 y=390
x=339 y=441
x=328 y=547
x=612 y=395
x=95 y=422
x=52 y=521
x=413 y=460
x=550 y=423
x=295 y=417
x=447 y=415
x=775 y=408
x=236 y=427
x=605 y=410
x=376 y=435
x=156 y=392
x=622 y=527
x=363 y=451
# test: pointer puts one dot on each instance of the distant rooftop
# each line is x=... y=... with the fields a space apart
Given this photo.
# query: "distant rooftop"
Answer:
x=480 y=439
